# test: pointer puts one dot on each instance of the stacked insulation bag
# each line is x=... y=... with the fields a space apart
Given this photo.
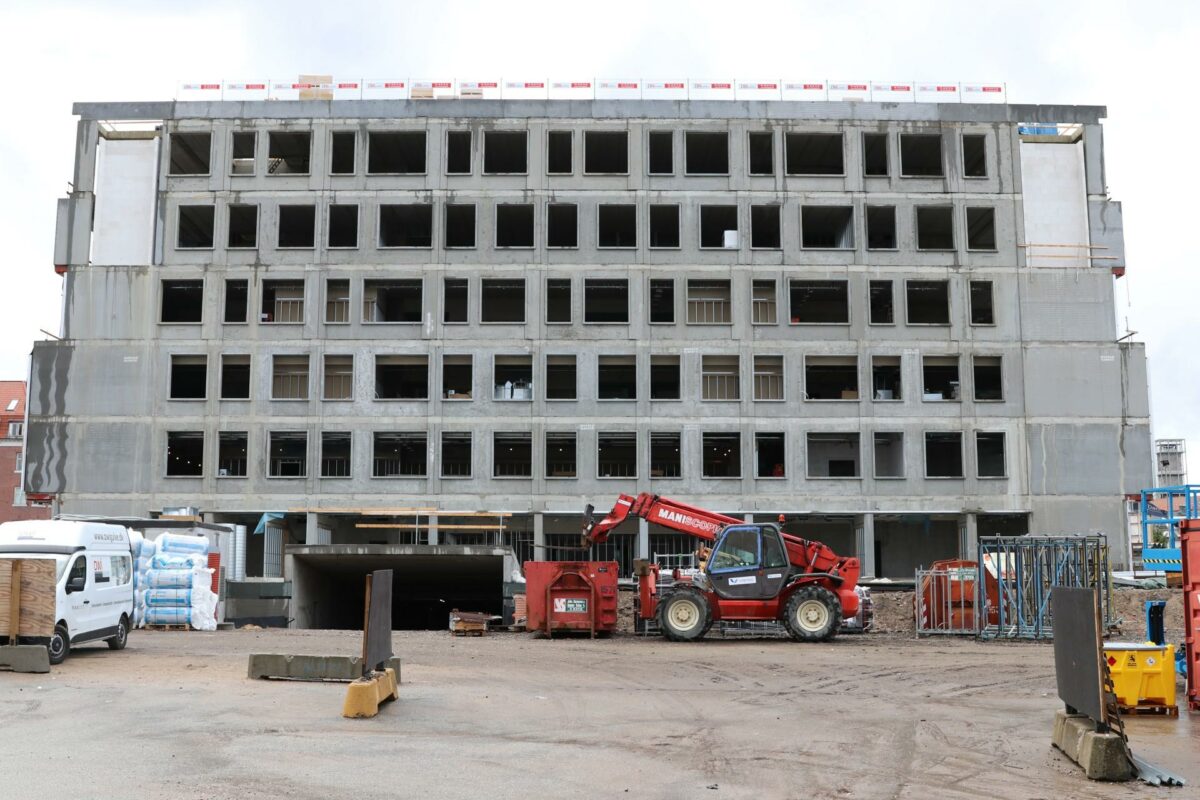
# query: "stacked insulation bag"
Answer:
x=174 y=583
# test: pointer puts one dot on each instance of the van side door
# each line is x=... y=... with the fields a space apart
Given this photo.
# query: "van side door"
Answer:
x=76 y=602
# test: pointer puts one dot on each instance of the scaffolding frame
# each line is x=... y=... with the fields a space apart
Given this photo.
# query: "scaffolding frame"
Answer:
x=1025 y=568
x=1182 y=503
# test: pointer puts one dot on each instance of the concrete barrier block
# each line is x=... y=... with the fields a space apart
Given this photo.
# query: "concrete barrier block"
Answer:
x=310 y=668
x=25 y=658
x=1102 y=755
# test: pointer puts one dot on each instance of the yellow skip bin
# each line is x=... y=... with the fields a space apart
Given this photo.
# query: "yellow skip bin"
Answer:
x=1143 y=674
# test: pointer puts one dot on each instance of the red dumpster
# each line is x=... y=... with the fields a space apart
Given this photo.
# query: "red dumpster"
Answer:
x=576 y=596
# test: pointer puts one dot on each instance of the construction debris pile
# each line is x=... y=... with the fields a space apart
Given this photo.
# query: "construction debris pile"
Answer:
x=173 y=584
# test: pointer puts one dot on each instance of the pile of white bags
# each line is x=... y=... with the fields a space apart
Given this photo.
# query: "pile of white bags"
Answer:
x=173 y=584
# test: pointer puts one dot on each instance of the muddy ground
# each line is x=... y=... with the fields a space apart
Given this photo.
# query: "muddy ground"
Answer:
x=510 y=716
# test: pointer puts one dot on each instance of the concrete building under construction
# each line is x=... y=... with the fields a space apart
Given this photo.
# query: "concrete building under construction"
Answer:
x=424 y=333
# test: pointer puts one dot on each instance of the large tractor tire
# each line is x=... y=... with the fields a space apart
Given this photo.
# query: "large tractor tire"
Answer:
x=813 y=614
x=684 y=616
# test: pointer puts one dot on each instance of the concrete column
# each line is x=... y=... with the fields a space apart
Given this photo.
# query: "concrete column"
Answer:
x=969 y=540
x=433 y=529
x=866 y=545
x=642 y=550
x=311 y=523
x=539 y=537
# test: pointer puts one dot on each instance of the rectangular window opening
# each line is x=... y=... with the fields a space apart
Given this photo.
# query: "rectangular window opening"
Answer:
x=288 y=454
x=232 y=447
x=616 y=225
x=196 y=225
x=943 y=454
x=827 y=227
x=606 y=153
x=664 y=226
x=455 y=303
x=297 y=226
x=392 y=300
x=396 y=153
x=662 y=301
x=983 y=310
x=189 y=377
x=706 y=153
x=875 y=155
x=289 y=377
x=182 y=301
x=400 y=455
x=244 y=145
x=989 y=381
x=559 y=159
x=458 y=380
x=768 y=378
x=721 y=455
x=921 y=155
x=406 y=225
x=719 y=227
x=974 y=147
x=341 y=152
x=560 y=454
x=237 y=301
x=616 y=454
x=769 y=456
x=335 y=454
x=558 y=300
x=720 y=378
x=235 y=377
x=456 y=454
x=512 y=454
x=343 y=225
x=989 y=454
x=505 y=152
x=560 y=377
x=882 y=308
x=762 y=152
x=764 y=303
x=282 y=301
x=514 y=225
x=935 y=228
x=512 y=378
x=833 y=455
x=460 y=225
x=814 y=154
x=401 y=377
x=831 y=378
x=881 y=227
x=288 y=153
x=191 y=153
x=458 y=152
x=337 y=301
x=709 y=302
x=606 y=300
x=927 y=302
x=243 y=227
x=616 y=378
x=185 y=454
x=940 y=378
x=661 y=156
x=339 y=377
x=819 y=302
x=981 y=229
x=889 y=455
x=665 y=457
x=503 y=300
x=562 y=225
x=664 y=377
x=885 y=378
x=764 y=227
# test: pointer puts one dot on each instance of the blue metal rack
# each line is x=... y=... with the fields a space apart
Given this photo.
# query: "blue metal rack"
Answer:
x=1182 y=502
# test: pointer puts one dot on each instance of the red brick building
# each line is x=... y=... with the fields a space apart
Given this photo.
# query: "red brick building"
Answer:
x=12 y=449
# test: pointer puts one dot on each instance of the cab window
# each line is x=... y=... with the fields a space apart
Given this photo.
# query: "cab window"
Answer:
x=738 y=550
x=78 y=570
x=773 y=555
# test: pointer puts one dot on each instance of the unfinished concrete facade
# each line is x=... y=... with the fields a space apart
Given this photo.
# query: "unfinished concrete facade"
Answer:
x=894 y=323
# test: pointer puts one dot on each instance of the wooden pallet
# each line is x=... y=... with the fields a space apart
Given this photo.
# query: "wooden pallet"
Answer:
x=468 y=632
x=1150 y=710
x=171 y=627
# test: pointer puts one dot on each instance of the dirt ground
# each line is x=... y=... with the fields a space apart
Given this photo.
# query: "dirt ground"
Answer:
x=510 y=716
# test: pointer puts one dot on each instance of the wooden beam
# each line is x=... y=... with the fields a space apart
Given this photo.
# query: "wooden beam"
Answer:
x=14 y=601
x=366 y=511
x=404 y=526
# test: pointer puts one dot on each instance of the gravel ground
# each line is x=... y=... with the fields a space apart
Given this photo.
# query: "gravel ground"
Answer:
x=510 y=716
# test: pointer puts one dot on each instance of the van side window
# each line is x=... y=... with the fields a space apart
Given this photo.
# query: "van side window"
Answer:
x=101 y=568
x=121 y=572
x=78 y=570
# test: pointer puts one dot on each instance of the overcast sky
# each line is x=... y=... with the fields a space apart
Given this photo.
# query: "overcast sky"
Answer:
x=1138 y=59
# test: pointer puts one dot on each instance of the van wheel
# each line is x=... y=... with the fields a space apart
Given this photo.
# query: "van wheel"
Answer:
x=60 y=643
x=119 y=641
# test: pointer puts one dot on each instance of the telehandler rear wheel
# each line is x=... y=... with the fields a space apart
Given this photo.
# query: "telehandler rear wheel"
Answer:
x=684 y=616
x=813 y=614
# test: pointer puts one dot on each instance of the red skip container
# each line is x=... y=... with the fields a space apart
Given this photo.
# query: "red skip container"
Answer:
x=578 y=596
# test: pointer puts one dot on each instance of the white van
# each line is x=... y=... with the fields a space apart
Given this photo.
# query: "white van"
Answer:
x=94 y=574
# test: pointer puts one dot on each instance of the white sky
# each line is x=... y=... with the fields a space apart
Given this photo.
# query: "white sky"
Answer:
x=1138 y=59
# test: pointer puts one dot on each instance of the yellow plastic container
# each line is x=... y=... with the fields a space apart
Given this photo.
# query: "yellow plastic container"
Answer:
x=1143 y=674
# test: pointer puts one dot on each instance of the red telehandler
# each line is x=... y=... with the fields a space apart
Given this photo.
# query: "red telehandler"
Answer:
x=754 y=572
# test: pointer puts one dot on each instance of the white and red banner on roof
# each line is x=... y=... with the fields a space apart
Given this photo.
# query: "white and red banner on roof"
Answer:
x=817 y=89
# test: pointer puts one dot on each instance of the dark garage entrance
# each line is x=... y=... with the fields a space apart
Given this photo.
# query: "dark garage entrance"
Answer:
x=428 y=582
